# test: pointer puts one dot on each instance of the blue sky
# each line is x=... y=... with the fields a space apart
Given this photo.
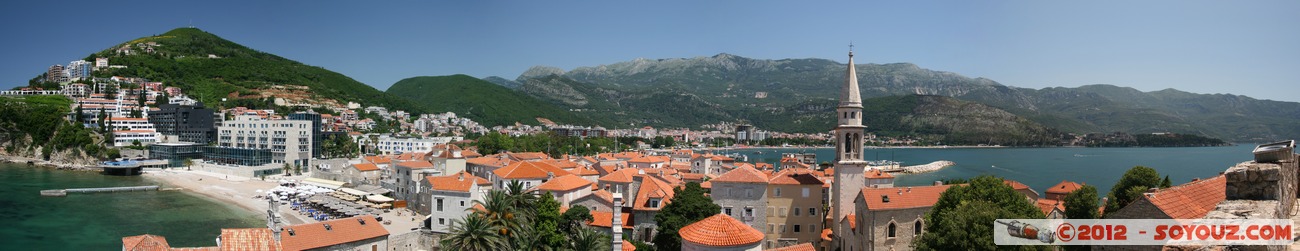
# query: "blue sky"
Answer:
x=1241 y=47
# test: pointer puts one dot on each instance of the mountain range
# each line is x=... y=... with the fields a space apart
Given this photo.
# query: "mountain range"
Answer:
x=788 y=95
x=729 y=86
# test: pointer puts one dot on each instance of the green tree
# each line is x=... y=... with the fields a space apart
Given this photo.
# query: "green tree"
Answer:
x=286 y=170
x=963 y=217
x=499 y=211
x=162 y=99
x=1081 y=204
x=547 y=222
x=473 y=233
x=1122 y=193
x=80 y=117
x=188 y=163
x=1166 y=183
x=688 y=206
x=588 y=240
x=573 y=220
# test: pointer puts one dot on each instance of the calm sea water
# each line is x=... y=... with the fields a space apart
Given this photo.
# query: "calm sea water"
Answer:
x=1040 y=168
x=99 y=221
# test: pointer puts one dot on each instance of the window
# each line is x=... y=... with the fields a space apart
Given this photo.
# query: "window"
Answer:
x=916 y=227
x=777 y=191
x=749 y=192
x=654 y=203
x=796 y=228
x=805 y=192
x=781 y=212
x=812 y=211
x=749 y=212
x=771 y=228
x=726 y=210
x=440 y=204
x=795 y=211
x=462 y=203
x=782 y=228
x=891 y=230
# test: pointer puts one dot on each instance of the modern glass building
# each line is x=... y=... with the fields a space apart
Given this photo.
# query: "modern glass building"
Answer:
x=237 y=156
x=176 y=153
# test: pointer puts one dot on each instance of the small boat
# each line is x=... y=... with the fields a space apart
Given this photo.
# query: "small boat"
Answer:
x=758 y=152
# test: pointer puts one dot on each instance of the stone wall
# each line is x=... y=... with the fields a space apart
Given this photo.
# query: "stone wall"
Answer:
x=1263 y=181
x=413 y=241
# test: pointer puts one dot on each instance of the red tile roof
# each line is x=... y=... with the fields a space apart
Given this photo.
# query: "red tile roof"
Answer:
x=744 y=174
x=1064 y=187
x=366 y=167
x=146 y=242
x=1192 y=200
x=457 y=182
x=652 y=188
x=901 y=197
x=606 y=219
x=874 y=173
x=826 y=234
x=529 y=170
x=801 y=247
x=248 y=239
x=627 y=246
x=583 y=171
x=419 y=164
x=491 y=161
x=853 y=220
x=620 y=176
x=1046 y=205
x=382 y=159
x=528 y=156
x=345 y=230
x=1015 y=185
x=720 y=231
x=795 y=176
x=564 y=183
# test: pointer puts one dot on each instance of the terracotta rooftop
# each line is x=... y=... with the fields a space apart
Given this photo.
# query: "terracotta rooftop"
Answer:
x=1015 y=185
x=627 y=246
x=146 y=242
x=620 y=176
x=345 y=230
x=874 y=173
x=652 y=188
x=583 y=171
x=806 y=246
x=366 y=167
x=1064 y=187
x=248 y=239
x=458 y=182
x=720 y=231
x=901 y=197
x=489 y=161
x=1046 y=205
x=1192 y=200
x=419 y=164
x=795 y=176
x=744 y=174
x=381 y=159
x=529 y=170
x=528 y=156
x=564 y=183
x=606 y=219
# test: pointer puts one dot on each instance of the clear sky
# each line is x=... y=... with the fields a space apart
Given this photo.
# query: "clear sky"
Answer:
x=1241 y=47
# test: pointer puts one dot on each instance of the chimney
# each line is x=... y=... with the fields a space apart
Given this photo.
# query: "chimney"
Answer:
x=909 y=189
x=1196 y=179
x=900 y=191
x=550 y=175
x=461 y=177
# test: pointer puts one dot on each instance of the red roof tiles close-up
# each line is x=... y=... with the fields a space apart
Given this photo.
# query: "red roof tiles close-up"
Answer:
x=720 y=231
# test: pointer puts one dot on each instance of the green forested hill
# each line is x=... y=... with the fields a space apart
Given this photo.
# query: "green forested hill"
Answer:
x=487 y=103
x=208 y=67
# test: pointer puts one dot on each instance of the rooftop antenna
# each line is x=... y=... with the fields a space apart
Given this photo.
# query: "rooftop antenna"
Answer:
x=191 y=23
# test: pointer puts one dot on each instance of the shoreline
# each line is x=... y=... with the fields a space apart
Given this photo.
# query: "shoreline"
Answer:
x=235 y=192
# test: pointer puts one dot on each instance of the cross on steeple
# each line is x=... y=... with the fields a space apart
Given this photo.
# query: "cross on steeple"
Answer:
x=850 y=48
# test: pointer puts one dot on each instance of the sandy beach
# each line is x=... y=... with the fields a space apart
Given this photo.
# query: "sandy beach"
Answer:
x=239 y=191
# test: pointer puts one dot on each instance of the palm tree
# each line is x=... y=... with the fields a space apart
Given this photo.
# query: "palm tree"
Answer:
x=499 y=211
x=473 y=233
x=519 y=196
x=527 y=239
x=587 y=239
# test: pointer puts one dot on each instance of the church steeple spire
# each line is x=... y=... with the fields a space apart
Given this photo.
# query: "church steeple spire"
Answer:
x=849 y=94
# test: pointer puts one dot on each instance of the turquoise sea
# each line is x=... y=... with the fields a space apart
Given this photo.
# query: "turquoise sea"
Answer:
x=99 y=221
x=1040 y=168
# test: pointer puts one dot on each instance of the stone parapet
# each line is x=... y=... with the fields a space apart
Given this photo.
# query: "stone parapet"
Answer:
x=1263 y=181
